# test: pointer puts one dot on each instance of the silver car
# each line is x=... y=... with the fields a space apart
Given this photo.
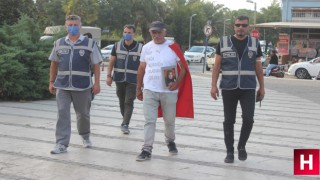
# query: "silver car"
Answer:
x=196 y=53
x=106 y=52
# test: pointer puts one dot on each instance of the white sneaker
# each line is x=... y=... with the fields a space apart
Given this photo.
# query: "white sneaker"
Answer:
x=58 y=149
x=87 y=143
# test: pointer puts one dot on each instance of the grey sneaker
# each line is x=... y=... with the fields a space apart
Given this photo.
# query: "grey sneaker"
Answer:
x=145 y=155
x=58 y=149
x=87 y=143
x=125 y=129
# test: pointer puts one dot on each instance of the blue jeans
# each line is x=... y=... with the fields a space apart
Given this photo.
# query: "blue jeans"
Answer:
x=268 y=69
x=230 y=103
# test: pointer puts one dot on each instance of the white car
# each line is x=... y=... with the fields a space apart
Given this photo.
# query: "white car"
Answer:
x=304 y=70
x=210 y=62
x=106 y=52
x=196 y=53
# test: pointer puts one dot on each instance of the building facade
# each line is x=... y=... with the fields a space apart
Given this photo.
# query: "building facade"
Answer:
x=304 y=40
x=302 y=19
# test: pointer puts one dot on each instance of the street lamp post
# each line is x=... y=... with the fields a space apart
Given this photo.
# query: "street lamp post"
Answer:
x=190 y=29
x=224 y=26
x=255 y=11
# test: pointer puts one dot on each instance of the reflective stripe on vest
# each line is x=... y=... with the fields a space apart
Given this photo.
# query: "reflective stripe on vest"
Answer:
x=128 y=71
x=74 y=64
x=226 y=73
x=127 y=63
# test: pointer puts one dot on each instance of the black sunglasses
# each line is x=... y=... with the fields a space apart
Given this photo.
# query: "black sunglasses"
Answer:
x=243 y=25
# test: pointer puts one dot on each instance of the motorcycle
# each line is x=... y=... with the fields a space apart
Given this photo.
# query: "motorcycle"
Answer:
x=277 y=71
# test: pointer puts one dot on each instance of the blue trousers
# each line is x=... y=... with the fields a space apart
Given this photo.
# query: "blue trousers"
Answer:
x=268 y=69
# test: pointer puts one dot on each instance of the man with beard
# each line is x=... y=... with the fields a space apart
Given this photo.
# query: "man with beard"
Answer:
x=238 y=56
x=124 y=63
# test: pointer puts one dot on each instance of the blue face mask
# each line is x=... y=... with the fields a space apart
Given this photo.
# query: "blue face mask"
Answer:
x=73 y=30
x=127 y=37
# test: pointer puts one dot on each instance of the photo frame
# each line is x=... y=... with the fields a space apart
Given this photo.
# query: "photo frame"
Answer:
x=169 y=74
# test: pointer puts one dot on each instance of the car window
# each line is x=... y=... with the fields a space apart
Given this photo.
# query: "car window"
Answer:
x=109 y=47
x=209 y=49
x=196 y=49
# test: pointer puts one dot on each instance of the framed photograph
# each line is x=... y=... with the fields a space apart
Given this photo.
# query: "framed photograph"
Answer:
x=169 y=74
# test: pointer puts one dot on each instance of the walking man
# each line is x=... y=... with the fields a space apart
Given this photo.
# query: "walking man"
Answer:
x=124 y=62
x=72 y=58
x=238 y=56
x=157 y=55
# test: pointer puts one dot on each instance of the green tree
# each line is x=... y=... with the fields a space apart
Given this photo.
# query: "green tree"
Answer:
x=113 y=15
x=10 y=11
x=49 y=13
x=23 y=61
x=86 y=9
x=144 y=12
x=270 y=14
x=56 y=15
x=178 y=21
x=179 y=13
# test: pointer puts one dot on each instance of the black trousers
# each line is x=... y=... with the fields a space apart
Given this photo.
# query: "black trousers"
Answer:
x=230 y=103
x=126 y=93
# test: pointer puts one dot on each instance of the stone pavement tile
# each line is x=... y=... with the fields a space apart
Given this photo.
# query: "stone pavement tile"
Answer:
x=27 y=135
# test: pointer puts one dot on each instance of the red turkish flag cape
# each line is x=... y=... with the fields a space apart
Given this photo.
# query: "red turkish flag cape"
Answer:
x=184 y=107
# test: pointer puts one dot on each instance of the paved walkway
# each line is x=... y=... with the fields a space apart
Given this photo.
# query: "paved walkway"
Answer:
x=27 y=135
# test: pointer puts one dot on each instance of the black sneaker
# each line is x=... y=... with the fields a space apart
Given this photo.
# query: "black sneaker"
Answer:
x=229 y=158
x=145 y=155
x=172 y=148
x=125 y=129
x=242 y=154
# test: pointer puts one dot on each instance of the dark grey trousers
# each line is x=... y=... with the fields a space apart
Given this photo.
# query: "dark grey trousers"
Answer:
x=126 y=93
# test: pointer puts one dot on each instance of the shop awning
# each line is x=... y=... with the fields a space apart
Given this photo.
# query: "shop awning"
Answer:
x=310 y=25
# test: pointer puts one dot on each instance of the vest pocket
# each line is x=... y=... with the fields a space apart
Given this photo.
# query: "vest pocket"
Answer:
x=80 y=81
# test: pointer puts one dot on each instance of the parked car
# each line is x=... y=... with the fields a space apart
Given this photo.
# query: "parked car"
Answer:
x=211 y=59
x=210 y=62
x=106 y=52
x=196 y=53
x=305 y=70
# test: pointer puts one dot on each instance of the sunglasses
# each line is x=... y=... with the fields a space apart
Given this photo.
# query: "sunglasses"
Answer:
x=242 y=25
